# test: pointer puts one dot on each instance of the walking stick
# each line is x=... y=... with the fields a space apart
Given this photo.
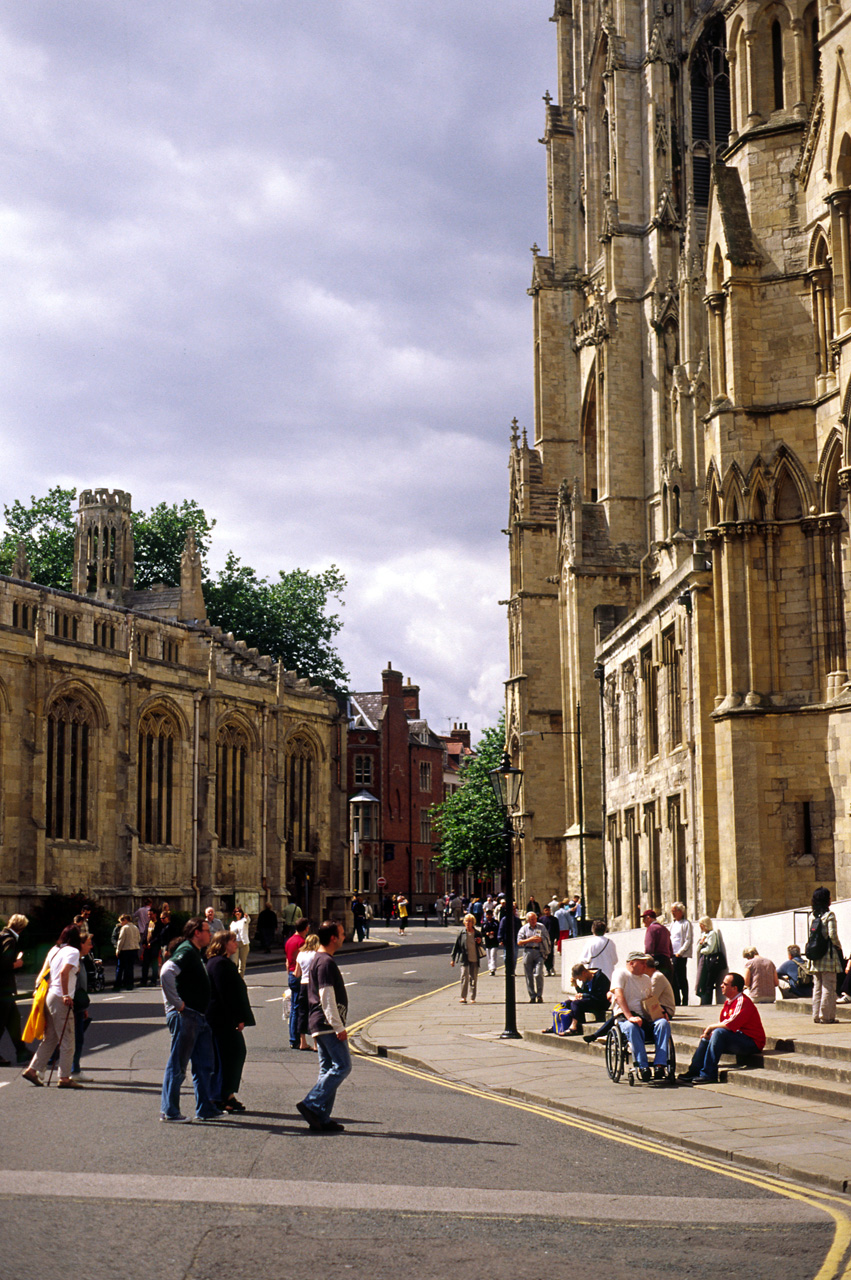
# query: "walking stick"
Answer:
x=59 y=1046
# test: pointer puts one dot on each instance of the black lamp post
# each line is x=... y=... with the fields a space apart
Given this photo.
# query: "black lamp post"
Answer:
x=505 y=781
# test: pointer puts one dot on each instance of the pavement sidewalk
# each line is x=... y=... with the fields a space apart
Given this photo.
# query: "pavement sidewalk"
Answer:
x=807 y=1142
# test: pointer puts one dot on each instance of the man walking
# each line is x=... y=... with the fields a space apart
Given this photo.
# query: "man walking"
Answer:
x=327 y=1004
x=186 y=992
x=534 y=940
x=551 y=925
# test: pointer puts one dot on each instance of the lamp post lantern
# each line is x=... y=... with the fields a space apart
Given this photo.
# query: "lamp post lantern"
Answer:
x=506 y=781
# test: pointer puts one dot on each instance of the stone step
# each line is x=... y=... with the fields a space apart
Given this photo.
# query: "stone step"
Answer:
x=815 y=1072
x=843 y=1011
x=772 y=1080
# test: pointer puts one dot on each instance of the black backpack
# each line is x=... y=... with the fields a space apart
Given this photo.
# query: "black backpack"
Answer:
x=817 y=942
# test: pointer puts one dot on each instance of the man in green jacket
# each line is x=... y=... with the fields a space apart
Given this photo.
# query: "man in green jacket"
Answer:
x=186 y=992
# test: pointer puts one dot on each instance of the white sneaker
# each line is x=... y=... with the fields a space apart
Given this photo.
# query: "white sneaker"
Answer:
x=843 y=999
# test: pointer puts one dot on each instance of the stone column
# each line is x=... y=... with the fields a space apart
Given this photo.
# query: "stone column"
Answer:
x=754 y=116
x=840 y=201
x=717 y=353
x=800 y=107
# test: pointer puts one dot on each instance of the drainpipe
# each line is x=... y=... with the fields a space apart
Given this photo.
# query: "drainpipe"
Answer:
x=599 y=676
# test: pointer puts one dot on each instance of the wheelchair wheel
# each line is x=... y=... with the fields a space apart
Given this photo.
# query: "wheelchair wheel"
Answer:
x=615 y=1054
x=671 y=1070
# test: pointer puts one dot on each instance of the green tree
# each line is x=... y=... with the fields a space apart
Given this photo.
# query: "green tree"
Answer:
x=159 y=536
x=287 y=618
x=469 y=823
x=46 y=529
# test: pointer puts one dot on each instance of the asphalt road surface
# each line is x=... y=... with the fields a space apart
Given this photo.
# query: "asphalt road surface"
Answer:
x=426 y=1181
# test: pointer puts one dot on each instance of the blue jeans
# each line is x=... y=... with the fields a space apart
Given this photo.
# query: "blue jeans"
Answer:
x=661 y=1038
x=294 y=984
x=707 y=1055
x=191 y=1041
x=335 y=1063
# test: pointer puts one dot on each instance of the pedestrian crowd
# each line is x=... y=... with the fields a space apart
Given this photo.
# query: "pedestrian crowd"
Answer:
x=207 y=1007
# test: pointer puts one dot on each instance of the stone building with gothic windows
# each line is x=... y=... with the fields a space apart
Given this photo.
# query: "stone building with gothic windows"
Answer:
x=145 y=752
x=679 y=697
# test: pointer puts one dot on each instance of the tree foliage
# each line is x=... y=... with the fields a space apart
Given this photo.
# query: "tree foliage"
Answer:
x=469 y=824
x=159 y=536
x=287 y=618
x=46 y=530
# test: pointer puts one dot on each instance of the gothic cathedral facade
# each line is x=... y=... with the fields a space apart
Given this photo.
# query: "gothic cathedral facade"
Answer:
x=679 y=697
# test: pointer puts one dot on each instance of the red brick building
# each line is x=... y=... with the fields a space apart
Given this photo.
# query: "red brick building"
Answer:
x=396 y=767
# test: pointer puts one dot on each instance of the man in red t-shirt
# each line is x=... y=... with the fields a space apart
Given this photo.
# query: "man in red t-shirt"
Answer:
x=293 y=945
x=740 y=1031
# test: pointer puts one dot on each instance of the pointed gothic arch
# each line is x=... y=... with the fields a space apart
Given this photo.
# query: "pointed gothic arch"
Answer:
x=830 y=493
x=157 y=769
x=590 y=447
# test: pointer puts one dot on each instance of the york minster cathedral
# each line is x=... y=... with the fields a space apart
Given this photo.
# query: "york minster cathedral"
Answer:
x=679 y=695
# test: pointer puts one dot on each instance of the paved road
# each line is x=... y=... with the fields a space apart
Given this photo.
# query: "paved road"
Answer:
x=425 y=1178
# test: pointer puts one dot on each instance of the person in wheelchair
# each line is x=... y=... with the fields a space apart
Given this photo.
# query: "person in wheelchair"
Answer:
x=638 y=1011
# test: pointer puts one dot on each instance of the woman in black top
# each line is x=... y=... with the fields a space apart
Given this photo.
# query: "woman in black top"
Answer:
x=229 y=1011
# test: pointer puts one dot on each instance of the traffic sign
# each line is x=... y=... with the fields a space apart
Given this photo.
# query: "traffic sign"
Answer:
x=381 y=882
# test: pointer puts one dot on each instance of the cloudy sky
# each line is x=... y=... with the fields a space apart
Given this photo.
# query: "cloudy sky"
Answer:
x=273 y=255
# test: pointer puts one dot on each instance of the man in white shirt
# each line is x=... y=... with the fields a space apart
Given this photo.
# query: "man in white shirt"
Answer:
x=682 y=941
x=534 y=941
x=630 y=985
x=600 y=953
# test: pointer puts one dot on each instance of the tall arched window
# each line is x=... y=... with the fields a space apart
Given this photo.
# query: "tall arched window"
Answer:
x=589 y=439
x=155 y=776
x=232 y=755
x=299 y=766
x=70 y=732
x=821 y=284
x=710 y=106
x=777 y=63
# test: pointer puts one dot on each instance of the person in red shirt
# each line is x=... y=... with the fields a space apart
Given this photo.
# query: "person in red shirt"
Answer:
x=740 y=1031
x=293 y=945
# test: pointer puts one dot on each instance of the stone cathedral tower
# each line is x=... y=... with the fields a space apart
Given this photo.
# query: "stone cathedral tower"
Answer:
x=678 y=695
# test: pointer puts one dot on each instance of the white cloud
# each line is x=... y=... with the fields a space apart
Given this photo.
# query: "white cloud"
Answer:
x=275 y=258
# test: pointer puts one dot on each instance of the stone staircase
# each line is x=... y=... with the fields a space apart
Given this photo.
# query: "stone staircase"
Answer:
x=800 y=1061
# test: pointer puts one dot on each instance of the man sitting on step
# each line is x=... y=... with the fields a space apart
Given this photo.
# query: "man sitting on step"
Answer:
x=740 y=1031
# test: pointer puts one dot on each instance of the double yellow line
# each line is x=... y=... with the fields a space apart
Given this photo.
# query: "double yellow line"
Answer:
x=837 y=1264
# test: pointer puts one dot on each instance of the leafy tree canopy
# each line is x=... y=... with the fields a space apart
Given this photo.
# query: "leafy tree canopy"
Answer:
x=158 y=538
x=288 y=618
x=469 y=823
x=46 y=529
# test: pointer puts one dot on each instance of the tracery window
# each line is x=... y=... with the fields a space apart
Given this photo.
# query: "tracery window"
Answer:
x=710 y=106
x=298 y=771
x=673 y=682
x=70 y=732
x=232 y=754
x=425 y=775
x=155 y=776
x=821 y=282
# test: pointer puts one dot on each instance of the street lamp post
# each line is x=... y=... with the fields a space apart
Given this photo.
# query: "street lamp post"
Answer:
x=505 y=781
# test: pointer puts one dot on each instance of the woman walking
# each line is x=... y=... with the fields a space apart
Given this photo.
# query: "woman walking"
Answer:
x=303 y=961
x=824 y=957
x=229 y=1011
x=239 y=926
x=64 y=962
x=468 y=952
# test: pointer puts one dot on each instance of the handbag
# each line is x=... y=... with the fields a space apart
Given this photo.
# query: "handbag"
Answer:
x=36 y=1022
x=480 y=949
x=652 y=1009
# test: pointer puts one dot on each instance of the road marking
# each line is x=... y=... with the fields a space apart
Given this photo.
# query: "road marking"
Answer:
x=399 y=1197
x=408 y=971
x=273 y=999
x=110 y=999
x=4 y=1083
x=837 y=1262
x=95 y=1048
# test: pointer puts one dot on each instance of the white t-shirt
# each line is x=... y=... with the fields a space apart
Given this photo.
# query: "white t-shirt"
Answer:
x=601 y=953
x=304 y=960
x=62 y=957
x=240 y=928
x=636 y=987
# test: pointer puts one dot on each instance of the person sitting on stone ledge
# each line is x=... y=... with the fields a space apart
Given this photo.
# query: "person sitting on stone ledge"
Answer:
x=761 y=979
x=593 y=988
x=660 y=987
x=799 y=983
x=740 y=1031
